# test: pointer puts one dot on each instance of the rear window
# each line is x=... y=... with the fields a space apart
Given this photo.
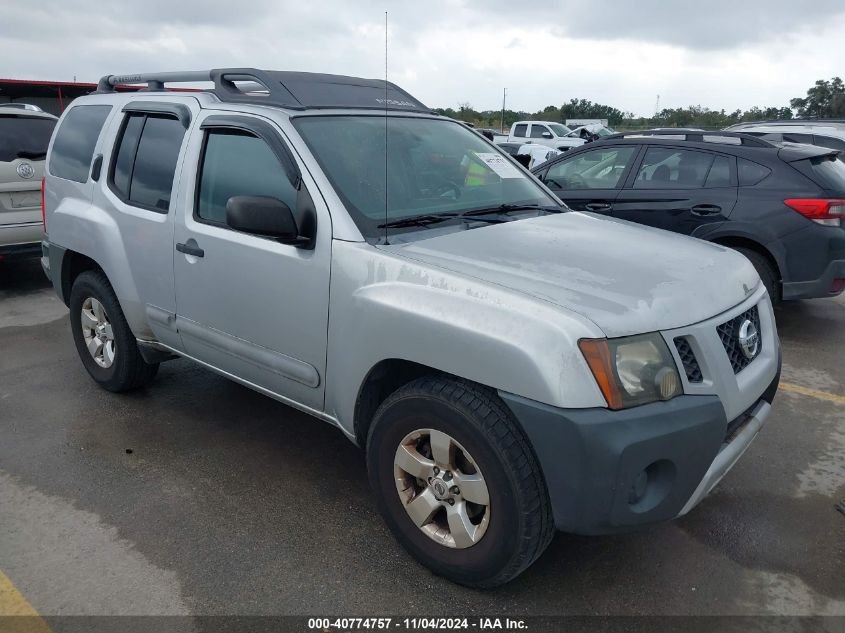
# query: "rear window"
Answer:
x=73 y=148
x=145 y=161
x=24 y=137
x=750 y=173
x=829 y=171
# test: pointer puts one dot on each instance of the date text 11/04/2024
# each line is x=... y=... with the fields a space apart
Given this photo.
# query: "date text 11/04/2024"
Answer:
x=349 y=624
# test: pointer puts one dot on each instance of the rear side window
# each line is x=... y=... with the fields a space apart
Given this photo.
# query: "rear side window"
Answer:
x=73 y=148
x=750 y=173
x=239 y=164
x=24 y=137
x=145 y=160
x=670 y=168
x=520 y=130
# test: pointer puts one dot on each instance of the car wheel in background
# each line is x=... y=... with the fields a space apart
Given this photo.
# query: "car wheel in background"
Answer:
x=457 y=482
x=102 y=336
x=766 y=271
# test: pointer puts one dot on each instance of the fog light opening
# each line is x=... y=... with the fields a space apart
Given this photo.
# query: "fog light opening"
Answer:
x=651 y=486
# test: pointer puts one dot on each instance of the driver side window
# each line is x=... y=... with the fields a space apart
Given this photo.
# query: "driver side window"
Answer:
x=236 y=163
x=538 y=130
x=596 y=169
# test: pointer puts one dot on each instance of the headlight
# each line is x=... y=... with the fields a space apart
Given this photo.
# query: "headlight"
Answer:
x=632 y=370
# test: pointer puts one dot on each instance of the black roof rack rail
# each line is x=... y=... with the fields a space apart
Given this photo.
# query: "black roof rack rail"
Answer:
x=285 y=89
x=696 y=136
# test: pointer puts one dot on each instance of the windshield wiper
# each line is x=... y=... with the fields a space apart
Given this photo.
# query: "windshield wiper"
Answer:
x=430 y=218
x=507 y=208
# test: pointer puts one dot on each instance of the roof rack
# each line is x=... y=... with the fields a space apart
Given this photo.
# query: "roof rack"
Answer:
x=285 y=89
x=697 y=136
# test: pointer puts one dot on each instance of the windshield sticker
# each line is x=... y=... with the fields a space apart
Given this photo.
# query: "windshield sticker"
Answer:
x=499 y=164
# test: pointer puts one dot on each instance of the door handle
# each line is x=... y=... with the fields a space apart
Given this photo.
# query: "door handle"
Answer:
x=190 y=248
x=706 y=209
x=597 y=206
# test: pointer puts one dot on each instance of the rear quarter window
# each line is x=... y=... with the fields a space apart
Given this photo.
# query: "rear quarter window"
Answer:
x=73 y=148
x=750 y=173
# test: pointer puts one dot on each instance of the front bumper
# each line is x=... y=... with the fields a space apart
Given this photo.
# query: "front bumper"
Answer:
x=611 y=471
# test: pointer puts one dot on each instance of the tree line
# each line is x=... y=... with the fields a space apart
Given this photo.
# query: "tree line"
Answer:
x=823 y=99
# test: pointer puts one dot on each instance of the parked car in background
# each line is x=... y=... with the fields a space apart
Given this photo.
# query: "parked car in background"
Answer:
x=825 y=132
x=780 y=204
x=24 y=136
x=575 y=123
x=508 y=367
x=593 y=132
x=548 y=133
x=529 y=155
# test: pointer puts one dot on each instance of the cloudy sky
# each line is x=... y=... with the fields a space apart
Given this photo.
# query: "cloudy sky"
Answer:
x=719 y=53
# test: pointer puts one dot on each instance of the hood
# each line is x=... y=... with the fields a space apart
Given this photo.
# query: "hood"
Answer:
x=624 y=277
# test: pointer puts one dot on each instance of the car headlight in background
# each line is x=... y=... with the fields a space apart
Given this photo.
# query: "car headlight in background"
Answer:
x=632 y=370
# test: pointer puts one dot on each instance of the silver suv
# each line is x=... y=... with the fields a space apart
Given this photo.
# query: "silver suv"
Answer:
x=510 y=367
x=24 y=134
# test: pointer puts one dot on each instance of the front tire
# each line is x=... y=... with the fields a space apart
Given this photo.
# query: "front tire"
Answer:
x=457 y=482
x=102 y=336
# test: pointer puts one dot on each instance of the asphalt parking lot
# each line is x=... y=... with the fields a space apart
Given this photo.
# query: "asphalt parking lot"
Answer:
x=199 y=496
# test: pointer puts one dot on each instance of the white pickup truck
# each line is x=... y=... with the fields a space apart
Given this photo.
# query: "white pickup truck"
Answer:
x=554 y=135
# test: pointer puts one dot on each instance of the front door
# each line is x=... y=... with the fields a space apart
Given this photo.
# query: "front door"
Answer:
x=590 y=180
x=250 y=305
x=679 y=190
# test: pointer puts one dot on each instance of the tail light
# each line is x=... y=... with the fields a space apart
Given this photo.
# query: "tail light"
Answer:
x=43 y=212
x=827 y=211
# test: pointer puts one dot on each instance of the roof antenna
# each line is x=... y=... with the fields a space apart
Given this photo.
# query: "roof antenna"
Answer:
x=386 y=241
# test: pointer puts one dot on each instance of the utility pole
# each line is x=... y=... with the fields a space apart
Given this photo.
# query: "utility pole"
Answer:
x=657 y=105
x=504 y=98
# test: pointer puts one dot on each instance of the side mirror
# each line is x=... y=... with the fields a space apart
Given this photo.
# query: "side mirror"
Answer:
x=547 y=135
x=262 y=215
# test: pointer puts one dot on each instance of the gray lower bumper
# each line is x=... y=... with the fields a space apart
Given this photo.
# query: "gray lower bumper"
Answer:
x=729 y=455
x=612 y=471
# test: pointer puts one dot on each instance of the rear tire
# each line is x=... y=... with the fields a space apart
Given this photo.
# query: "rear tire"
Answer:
x=766 y=271
x=102 y=336
x=508 y=533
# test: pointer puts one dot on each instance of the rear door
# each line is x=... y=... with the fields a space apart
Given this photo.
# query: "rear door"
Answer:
x=590 y=180
x=147 y=142
x=679 y=189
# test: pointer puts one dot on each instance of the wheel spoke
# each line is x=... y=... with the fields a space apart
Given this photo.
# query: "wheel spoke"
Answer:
x=97 y=308
x=409 y=460
x=89 y=321
x=441 y=448
x=108 y=331
x=108 y=353
x=422 y=507
x=94 y=347
x=473 y=488
x=461 y=528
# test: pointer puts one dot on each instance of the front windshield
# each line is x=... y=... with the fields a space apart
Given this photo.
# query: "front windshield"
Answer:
x=603 y=131
x=560 y=130
x=433 y=166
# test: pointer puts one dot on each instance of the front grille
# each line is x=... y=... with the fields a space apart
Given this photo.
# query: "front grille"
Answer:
x=691 y=367
x=729 y=334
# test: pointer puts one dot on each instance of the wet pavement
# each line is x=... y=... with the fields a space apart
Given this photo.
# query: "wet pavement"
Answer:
x=197 y=495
